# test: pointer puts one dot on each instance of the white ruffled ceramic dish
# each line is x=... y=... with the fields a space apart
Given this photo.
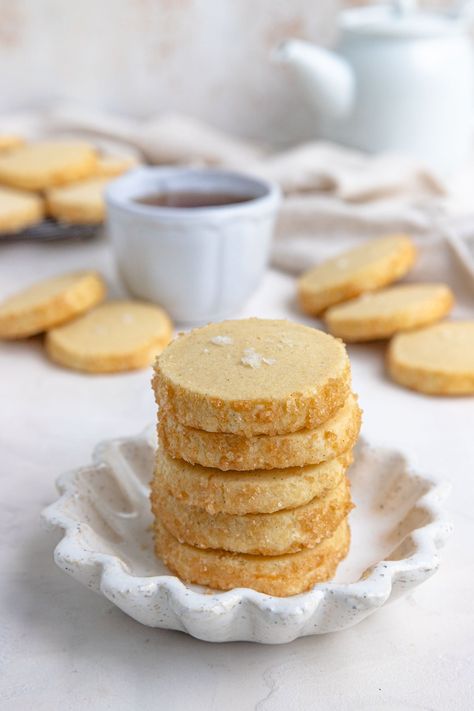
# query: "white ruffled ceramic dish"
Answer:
x=397 y=528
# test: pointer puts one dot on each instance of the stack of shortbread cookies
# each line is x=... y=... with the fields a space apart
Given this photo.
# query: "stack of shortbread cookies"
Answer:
x=257 y=423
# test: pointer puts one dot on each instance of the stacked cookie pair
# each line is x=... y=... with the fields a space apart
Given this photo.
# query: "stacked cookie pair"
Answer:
x=257 y=423
x=62 y=179
x=81 y=332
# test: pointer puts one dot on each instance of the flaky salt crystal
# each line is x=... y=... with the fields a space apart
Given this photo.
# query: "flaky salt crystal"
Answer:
x=222 y=340
x=254 y=359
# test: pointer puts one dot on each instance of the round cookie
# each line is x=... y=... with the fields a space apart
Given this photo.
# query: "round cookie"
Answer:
x=438 y=360
x=19 y=209
x=110 y=166
x=37 y=166
x=116 y=336
x=8 y=141
x=372 y=265
x=78 y=203
x=252 y=376
x=285 y=531
x=276 y=575
x=383 y=313
x=240 y=493
x=296 y=449
x=49 y=303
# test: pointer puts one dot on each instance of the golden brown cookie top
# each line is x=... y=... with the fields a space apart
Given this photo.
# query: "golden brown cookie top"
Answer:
x=49 y=302
x=253 y=358
x=370 y=255
x=113 y=327
x=446 y=347
x=370 y=266
x=253 y=376
x=36 y=166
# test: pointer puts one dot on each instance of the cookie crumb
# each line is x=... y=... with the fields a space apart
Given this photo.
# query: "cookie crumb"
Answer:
x=222 y=340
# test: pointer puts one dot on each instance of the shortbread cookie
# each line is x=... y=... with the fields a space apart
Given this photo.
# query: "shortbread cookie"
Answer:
x=79 y=203
x=438 y=360
x=275 y=575
x=49 y=303
x=370 y=266
x=240 y=493
x=276 y=533
x=383 y=313
x=229 y=451
x=252 y=376
x=19 y=209
x=9 y=141
x=118 y=335
x=37 y=166
x=110 y=166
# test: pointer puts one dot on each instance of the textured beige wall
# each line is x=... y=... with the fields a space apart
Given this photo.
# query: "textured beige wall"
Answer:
x=206 y=57
x=209 y=58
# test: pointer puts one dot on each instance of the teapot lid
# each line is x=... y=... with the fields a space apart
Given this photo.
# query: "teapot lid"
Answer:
x=399 y=19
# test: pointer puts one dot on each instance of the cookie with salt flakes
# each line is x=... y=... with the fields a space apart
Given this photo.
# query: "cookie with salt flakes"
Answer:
x=374 y=264
x=49 y=303
x=437 y=360
x=252 y=376
x=116 y=336
x=281 y=575
x=383 y=313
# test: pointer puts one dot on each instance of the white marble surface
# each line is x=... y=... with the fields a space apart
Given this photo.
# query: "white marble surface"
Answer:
x=64 y=647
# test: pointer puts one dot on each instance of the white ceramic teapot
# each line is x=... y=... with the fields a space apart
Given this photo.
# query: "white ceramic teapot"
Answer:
x=400 y=79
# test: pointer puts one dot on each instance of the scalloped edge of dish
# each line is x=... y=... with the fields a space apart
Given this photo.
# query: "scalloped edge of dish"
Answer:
x=244 y=614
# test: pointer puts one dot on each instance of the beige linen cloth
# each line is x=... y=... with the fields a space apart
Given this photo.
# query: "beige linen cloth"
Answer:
x=334 y=198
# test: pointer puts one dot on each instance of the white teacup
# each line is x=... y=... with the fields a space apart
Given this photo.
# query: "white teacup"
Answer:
x=199 y=263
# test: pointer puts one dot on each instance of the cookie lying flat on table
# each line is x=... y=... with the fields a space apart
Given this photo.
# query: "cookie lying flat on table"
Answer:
x=240 y=493
x=37 y=166
x=438 y=360
x=19 y=209
x=383 y=313
x=372 y=265
x=110 y=166
x=253 y=376
x=275 y=575
x=79 y=203
x=285 y=531
x=8 y=141
x=49 y=303
x=230 y=451
x=116 y=336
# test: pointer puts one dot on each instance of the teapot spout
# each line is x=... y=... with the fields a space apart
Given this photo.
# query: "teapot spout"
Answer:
x=326 y=78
